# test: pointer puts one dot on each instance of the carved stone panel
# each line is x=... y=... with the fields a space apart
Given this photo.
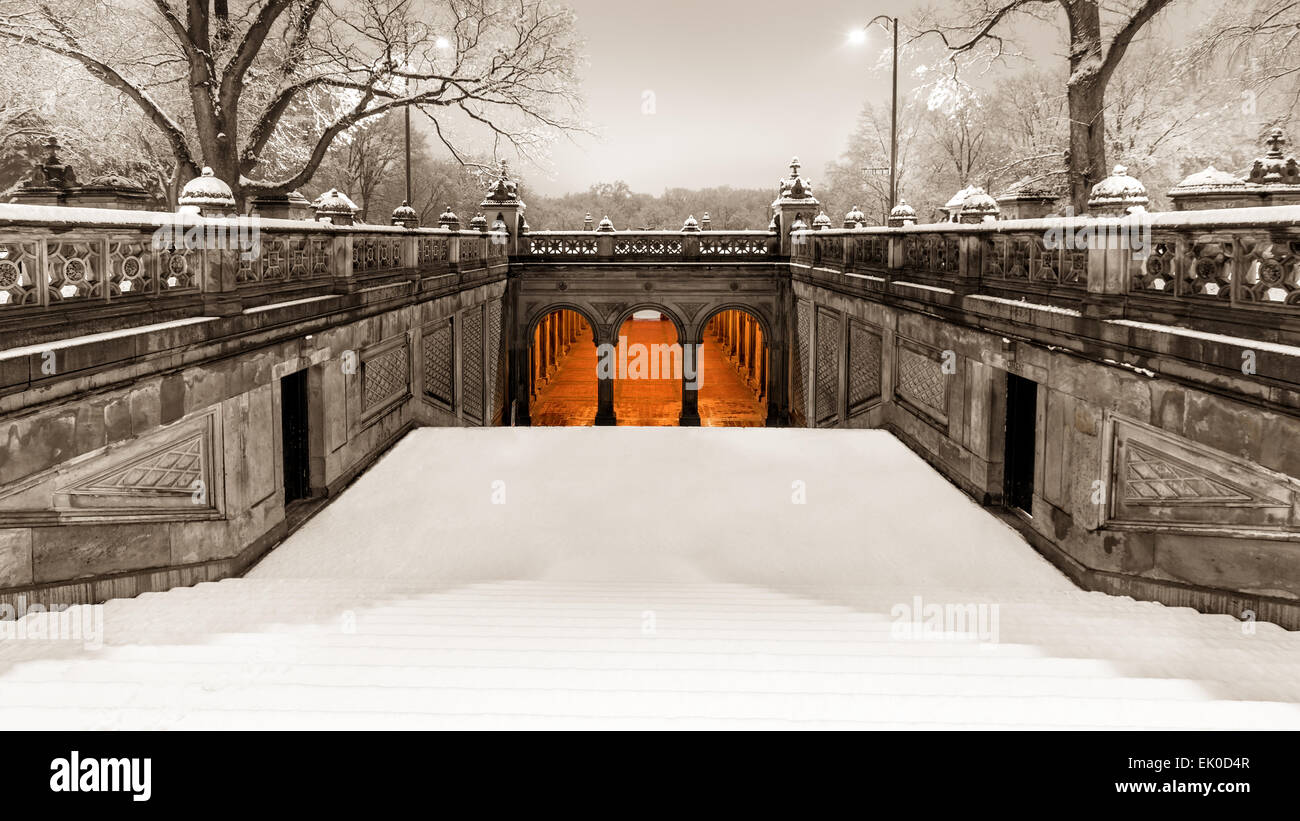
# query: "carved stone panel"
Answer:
x=495 y=344
x=174 y=473
x=828 y=366
x=471 y=363
x=920 y=381
x=1158 y=478
x=864 y=365
x=803 y=335
x=385 y=376
x=440 y=361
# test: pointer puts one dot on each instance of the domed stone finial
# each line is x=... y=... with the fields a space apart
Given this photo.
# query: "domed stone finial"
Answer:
x=405 y=216
x=478 y=222
x=978 y=206
x=691 y=224
x=855 y=218
x=448 y=219
x=335 y=207
x=1118 y=195
x=821 y=222
x=902 y=214
x=606 y=224
x=205 y=194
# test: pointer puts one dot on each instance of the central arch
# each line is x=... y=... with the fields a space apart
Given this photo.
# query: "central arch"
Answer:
x=647 y=361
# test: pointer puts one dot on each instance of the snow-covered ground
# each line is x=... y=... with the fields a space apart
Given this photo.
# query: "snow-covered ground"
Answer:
x=625 y=577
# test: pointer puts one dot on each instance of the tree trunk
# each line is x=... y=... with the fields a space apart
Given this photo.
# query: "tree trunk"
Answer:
x=1087 y=157
x=1086 y=98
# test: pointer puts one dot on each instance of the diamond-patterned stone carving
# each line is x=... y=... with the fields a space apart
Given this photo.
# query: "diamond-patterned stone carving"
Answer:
x=172 y=470
x=864 y=364
x=828 y=366
x=803 y=333
x=1152 y=478
x=384 y=376
x=440 y=361
x=495 y=382
x=472 y=363
x=1158 y=477
x=921 y=381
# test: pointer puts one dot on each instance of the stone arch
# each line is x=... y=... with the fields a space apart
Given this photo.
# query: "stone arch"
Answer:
x=627 y=313
x=543 y=311
x=756 y=311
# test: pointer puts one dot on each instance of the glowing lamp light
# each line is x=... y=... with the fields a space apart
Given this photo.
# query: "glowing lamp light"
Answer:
x=857 y=37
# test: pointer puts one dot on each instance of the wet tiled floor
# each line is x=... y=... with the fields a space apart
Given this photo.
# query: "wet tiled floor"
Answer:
x=570 y=396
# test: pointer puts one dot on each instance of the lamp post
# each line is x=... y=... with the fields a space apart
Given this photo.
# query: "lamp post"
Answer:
x=860 y=36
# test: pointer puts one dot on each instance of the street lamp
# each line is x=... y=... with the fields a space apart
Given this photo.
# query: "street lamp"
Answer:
x=441 y=44
x=858 y=37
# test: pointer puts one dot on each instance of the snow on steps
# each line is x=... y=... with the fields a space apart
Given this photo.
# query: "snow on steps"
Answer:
x=689 y=594
x=263 y=654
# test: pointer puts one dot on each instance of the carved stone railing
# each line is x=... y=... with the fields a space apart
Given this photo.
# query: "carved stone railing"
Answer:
x=1221 y=268
x=80 y=268
x=648 y=246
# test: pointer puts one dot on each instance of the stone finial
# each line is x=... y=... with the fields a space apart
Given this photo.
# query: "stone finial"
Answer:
x=478 y=222
x=855 y=218
x=978 y=206
x=606 y=225
x=706 y=222
x=902 y=214
x=588 y=224
x=691 y=224
x=1273 y=168
x=795 y=187
x=952 y=207
x=799 y=224
x=771 y=225
x=448 y=219
x=335 y=207
x=503 y=190
x=405 y=216
x=821 y=222
x=52 y=172
x=1118 y=195
x=205 y=194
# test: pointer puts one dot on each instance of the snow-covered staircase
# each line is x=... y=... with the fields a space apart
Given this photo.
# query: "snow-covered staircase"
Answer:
x=414 y=602
x=247 y=653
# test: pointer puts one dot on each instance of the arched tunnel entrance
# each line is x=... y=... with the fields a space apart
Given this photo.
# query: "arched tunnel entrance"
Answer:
x=645 y=363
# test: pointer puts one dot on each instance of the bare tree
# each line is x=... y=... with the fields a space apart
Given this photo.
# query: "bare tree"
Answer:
x=227 y=83
x=976 y=30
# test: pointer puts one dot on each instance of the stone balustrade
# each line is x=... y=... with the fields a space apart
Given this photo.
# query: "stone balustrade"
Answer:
x=1237 y=267
x=62 y=266
x=649 y=246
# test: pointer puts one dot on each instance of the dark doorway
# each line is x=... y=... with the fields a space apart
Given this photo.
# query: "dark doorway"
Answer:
x=1022 y=415
x=293 y=422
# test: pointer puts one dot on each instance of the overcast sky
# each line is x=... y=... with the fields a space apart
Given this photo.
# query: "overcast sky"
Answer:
x=739 y=86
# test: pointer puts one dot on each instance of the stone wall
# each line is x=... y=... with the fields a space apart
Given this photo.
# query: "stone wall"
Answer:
x=164 y=466
x=1174 y=488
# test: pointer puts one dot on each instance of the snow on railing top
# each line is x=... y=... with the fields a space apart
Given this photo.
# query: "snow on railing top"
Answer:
x=58 y=256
